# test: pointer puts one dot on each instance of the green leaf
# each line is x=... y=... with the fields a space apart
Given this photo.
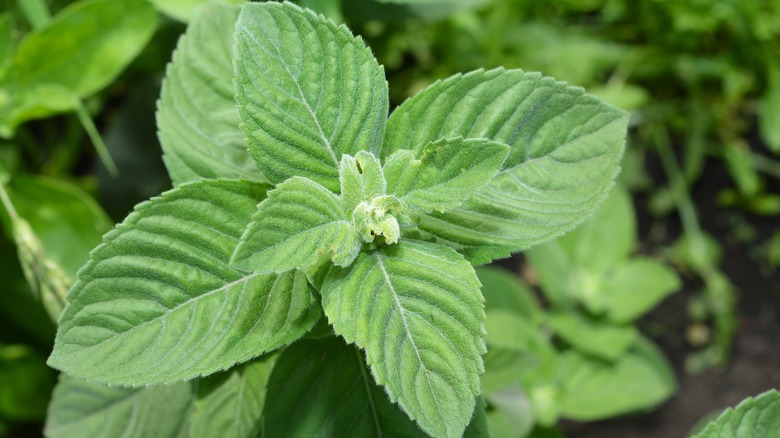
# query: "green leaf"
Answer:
x=230 y=404
x=416 y=309
x=448 y=172
x=197 y=115
x=80 y=409
x=19 y=103
x=566 y=146
x=504 y=291
x=636 y=286
x=86 y=46
x=67 y=220
x=512 y=415
x=189 y=10
x=752 y=417
x=308 y=92
x=611 y=229
x=323 y=388
x=590 y=336
x=27 y=383
x=300 y=221
x=361 y=179
x=594 y=390
x=158 y=303
x=54 y=225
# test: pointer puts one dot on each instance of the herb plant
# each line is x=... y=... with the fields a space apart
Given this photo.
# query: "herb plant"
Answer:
x=338 y=219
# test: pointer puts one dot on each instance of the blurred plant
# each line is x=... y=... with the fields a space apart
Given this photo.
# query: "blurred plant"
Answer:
x=581 y=357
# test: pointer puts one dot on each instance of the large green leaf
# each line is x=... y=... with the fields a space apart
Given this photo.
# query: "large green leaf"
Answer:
x=300 y=221
x=308 y=92
x=81 y=409
x=187 y=10
x=86 y=45
x=751 y=418
x=566 y=146
x=158 y=302
x=416 y=309
x=593 y=389
x=197 y=114
x=230 y=404
x=448 y=172
x=323 y=388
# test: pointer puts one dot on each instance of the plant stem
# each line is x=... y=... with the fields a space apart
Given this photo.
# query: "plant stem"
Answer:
x=6 y=200
x=765 y=165
x=97 y=140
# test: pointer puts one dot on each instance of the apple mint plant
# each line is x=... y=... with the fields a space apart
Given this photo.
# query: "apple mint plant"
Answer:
x=337 y=216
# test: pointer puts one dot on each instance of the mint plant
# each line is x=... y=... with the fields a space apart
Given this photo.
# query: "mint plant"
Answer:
x=372 y=222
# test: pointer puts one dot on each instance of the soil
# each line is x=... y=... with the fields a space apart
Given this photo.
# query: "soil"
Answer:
x=753 y=367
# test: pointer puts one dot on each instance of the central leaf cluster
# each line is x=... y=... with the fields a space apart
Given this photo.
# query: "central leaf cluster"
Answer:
x=364 y=193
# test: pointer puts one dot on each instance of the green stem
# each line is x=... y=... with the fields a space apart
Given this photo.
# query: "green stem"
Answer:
x=36 y=12
x=678 y=186
x=6 y=200
x=97 y=140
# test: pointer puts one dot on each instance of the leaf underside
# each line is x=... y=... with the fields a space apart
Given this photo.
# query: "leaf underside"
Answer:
x=158 y=302
x=416 y=309
x=323 y=388
x=230 y=404
x=196 y=114
x=307 y=90
x=80 y=409
x=566 y=146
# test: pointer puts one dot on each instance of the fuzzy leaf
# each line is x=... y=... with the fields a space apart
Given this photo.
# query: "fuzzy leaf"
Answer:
x=416 y=309
x=85 y=46
x=448 y=172
x=361 y=179
x=230 y=404
x=566 y=146
x=196 y=114
x=308 y=92
x=300 y=221
x=323 y=388
x=158 y=303
x=752 y=417
x=81 y=409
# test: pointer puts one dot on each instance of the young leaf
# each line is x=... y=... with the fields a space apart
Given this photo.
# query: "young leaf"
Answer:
x=158 y=303
x=604 y=340
x=752 y=417
x=197 y=115
x=594 y=390
x=230 y=404
x=361 y=179
x=566 y=146
x=308 y=91
x=323 y=388
x=448 y=173
x=636 y=286
x=86 y=45
x=416 y=309
x=80 y=409
x=299 y=221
